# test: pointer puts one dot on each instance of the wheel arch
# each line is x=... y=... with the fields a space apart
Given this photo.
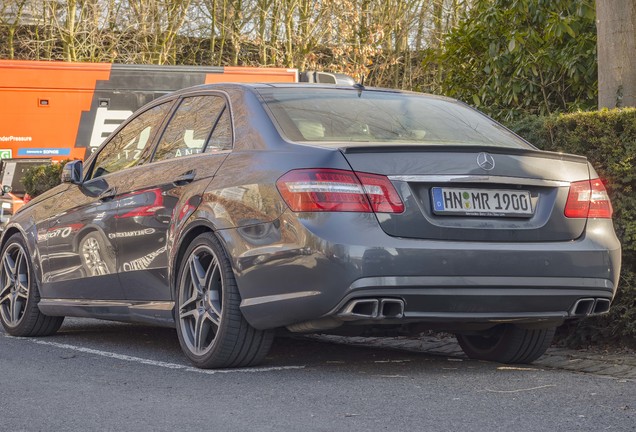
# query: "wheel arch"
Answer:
x=8 y=233
x=189 y=233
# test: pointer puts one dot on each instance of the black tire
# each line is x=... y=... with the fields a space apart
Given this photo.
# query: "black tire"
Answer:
x=97 y=256
x=507 y=343
x=19 y=294
x=211 y=328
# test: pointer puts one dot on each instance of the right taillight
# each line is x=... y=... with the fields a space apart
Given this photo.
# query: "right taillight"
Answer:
x=588 y=199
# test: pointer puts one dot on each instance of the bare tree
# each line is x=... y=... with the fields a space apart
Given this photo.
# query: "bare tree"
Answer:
x=10 y=16
x=379 y=39
x=158 y=23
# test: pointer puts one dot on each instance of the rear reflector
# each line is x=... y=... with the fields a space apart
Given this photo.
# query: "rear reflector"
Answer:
x=588 y=199
x=317 y=190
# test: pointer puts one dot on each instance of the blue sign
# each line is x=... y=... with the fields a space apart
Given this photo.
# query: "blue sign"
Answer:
x=44 y=152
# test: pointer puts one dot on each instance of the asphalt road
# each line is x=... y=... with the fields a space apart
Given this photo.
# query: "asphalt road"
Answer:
x=95 y=375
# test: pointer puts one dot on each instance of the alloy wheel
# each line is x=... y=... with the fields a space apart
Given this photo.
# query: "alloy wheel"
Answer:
x=14 y=293
x=200 y=300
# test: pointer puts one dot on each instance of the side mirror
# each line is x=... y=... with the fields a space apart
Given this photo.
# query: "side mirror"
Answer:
x=6 y=189
x=72 y=172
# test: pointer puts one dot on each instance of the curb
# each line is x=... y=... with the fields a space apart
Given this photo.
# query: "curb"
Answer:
x=620 y=366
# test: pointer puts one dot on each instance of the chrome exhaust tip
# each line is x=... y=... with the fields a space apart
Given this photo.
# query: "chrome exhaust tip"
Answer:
x=583 y=307
x=601 y=306
x=391 y=308
x=360 y=309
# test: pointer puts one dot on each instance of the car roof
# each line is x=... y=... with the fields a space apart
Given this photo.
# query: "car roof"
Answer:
x=256 y=86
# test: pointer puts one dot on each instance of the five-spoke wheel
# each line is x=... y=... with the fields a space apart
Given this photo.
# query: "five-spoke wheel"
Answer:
x=200 y=300
x=211 y=329
x=19 y=295
x=15 y=284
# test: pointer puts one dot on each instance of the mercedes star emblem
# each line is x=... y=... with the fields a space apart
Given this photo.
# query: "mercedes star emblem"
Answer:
x=485 y=161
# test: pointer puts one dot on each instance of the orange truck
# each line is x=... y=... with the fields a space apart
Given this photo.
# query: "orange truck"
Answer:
x=59 y=110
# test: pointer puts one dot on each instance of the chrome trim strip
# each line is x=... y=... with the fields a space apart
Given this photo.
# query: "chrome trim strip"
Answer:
x=478 y=179
x=278 y=297
x=154 y=305
x=487 y=285
x=148 y=305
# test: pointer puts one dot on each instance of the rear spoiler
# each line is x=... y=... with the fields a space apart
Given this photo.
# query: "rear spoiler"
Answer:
x=409 y=148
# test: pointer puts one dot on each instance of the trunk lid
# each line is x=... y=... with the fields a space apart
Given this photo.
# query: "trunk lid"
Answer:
x=510 y=194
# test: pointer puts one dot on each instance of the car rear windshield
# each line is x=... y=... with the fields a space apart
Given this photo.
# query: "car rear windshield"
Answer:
x=336 y=116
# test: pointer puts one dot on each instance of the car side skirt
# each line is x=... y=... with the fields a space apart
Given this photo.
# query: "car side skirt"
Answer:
x=157 y=313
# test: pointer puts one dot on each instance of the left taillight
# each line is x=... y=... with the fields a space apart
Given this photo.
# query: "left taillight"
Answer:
x=332 y=190
x=588 y=199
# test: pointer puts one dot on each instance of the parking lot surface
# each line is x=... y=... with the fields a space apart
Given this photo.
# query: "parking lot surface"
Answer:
x=96 y=375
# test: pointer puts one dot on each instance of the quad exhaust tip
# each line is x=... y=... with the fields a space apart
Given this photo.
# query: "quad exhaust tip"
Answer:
x=590 y=307
x=602 y=306
x=391 y=308
x=364 y=308
x=355 y=310
x=373 y=308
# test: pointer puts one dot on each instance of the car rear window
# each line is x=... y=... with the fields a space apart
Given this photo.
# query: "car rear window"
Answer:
x=336 y=116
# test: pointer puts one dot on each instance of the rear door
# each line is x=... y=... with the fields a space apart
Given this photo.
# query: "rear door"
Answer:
x=81 y=248
x=165 y=192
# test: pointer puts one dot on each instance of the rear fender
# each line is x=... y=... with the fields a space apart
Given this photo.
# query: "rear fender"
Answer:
x=194 y=226
x=243 y=201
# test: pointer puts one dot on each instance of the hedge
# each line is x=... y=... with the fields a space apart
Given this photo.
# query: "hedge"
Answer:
x=41 y=178
x=608 y=139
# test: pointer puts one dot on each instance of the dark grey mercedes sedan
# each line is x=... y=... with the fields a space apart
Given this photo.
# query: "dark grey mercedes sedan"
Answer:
x=230 y=211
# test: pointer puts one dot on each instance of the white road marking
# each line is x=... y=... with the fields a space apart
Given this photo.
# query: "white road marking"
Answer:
x=154 y=362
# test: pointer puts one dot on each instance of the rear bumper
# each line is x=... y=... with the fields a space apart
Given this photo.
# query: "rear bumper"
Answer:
x=483 y=299
x=317 y=264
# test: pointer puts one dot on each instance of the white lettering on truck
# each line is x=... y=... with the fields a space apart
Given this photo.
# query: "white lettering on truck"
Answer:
x=106 y=121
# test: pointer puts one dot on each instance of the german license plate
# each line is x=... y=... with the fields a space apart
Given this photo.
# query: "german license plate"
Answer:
x=481 y=202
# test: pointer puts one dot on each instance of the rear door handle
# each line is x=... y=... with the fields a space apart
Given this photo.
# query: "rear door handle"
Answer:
x=108 y=194
x=185 y=178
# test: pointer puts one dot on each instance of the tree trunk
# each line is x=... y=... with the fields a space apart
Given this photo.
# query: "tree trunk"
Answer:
x=616 y=29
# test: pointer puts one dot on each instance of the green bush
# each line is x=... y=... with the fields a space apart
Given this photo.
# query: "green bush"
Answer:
x=41 y=178
x=516 y=57
x=608 y=139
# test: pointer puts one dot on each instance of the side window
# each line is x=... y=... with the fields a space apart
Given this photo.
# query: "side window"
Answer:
x=190 y=127
x=221 y=138
x=125 y=148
